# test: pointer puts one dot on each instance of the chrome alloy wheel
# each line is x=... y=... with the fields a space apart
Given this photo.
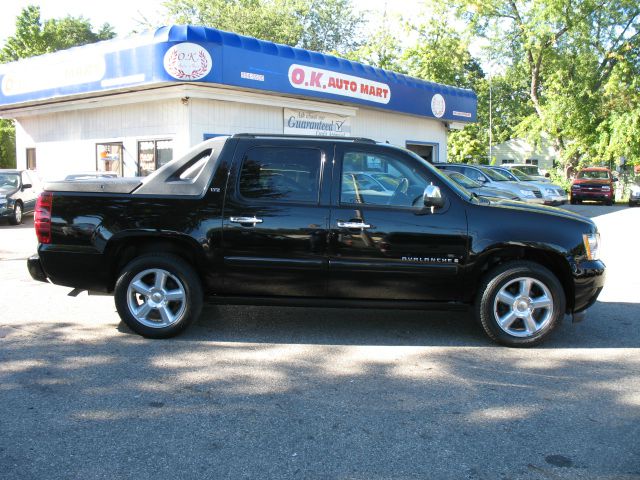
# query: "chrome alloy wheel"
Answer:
x=156 y=298
x=523 y=307
x=17 y=213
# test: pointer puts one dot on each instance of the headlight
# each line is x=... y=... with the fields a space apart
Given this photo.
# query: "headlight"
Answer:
x=592 y=245
x=575 y=187
x=549 y=192
x=527 y=193
x=606 y=188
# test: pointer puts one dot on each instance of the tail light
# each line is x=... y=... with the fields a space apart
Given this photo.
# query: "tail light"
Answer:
x=43 y=217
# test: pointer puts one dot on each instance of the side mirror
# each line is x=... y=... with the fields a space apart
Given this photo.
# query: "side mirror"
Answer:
x=615 y=179
x=26 y=186
x=432 y=198
x=481 y=179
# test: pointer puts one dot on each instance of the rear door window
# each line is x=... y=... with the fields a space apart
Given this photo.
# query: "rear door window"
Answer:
x=283 y=174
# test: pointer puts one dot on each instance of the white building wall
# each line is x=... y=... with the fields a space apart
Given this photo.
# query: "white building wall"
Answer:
x=66 y=141
x=227 y=118
x=399 y=129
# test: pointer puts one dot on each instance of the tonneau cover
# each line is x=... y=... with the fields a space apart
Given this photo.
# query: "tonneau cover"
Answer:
x=97 y=185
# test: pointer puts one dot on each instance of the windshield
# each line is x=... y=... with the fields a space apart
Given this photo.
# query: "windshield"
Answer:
x=594 y=174
x=520 y=175
x=463 y=180
x=507 y=173
x=495 y=176
x=9 y=180
x=529 y=169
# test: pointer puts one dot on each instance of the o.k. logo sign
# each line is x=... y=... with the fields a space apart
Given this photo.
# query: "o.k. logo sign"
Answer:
x=438 y=105
x=187 y=61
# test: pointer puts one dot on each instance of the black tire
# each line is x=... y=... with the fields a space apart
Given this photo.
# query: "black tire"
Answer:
x=504 y=276
x=573 y=201
x=169 y=316
x=16 y=217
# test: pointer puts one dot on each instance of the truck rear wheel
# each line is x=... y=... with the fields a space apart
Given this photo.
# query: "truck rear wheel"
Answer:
x=158 y=295
x=520 y=303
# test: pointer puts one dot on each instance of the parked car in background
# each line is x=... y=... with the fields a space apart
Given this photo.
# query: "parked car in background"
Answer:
x=19 y=190
x=552 y=194
x=368 y=181
x=593 y=183
x=528 y=169
x=634 y=192
x=491 y=178
x=478 y=188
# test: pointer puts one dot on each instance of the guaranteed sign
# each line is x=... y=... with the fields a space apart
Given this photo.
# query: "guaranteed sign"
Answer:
x=319 y=80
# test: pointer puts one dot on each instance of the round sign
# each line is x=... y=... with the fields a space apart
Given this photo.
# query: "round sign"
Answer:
x=438 y=105
x=187 y=61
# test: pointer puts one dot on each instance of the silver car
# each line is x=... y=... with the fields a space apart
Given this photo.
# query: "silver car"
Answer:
x=551 y=193
x=478 y=188
x=491 y=178
x=528 y=169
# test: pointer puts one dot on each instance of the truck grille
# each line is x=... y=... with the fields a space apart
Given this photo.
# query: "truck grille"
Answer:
x=537 y=193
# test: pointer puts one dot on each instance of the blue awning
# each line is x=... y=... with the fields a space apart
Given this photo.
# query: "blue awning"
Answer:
x=181 y=54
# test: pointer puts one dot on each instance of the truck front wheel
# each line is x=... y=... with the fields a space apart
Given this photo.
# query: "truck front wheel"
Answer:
x=520 y=303
x=158 y=295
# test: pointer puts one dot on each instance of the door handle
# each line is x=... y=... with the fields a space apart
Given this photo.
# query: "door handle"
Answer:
x=353 y=225
x=253 y=220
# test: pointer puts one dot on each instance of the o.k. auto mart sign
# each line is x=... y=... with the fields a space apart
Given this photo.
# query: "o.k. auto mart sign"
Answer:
x=304 y=122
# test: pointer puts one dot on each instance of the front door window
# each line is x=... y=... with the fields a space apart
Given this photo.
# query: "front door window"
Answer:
x=381 y=180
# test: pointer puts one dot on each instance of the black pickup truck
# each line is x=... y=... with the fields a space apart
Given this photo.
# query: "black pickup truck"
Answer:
x=268 y=219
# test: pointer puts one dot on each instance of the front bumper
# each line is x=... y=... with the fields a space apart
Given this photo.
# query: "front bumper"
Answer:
x=591 y=195
x=534 y=200
x=5 y=211
x=588 y=280
x=35 y=268
x=556 y=199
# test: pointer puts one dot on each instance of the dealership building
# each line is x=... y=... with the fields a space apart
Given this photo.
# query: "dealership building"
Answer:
x=130 y=105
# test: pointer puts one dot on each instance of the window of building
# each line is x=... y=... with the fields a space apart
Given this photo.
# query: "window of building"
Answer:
x=281 y=173
x=31 y=158
x=508 y=160
x=152 y=154
x=426 y=150
x=109 y=157
x=531 y=161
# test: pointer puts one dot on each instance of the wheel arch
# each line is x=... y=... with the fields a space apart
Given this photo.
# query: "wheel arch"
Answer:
x=121 y=250
x=551 y=259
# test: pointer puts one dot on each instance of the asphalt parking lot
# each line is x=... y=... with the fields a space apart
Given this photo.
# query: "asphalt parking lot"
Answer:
x=278 y=393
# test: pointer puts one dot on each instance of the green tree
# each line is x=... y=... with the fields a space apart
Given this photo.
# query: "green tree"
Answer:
x=381 y=50
x=568 y=50
x=7 y=144
x=34 y=37
x=325 y=26
x=441 y=54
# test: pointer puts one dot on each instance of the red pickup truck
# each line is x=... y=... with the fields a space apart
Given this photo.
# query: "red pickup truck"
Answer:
x=593 y=183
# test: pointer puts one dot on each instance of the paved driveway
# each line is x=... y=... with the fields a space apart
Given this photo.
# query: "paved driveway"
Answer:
x=278 y=393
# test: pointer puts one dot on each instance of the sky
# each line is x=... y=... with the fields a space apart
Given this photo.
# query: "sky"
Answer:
x=126 y=15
